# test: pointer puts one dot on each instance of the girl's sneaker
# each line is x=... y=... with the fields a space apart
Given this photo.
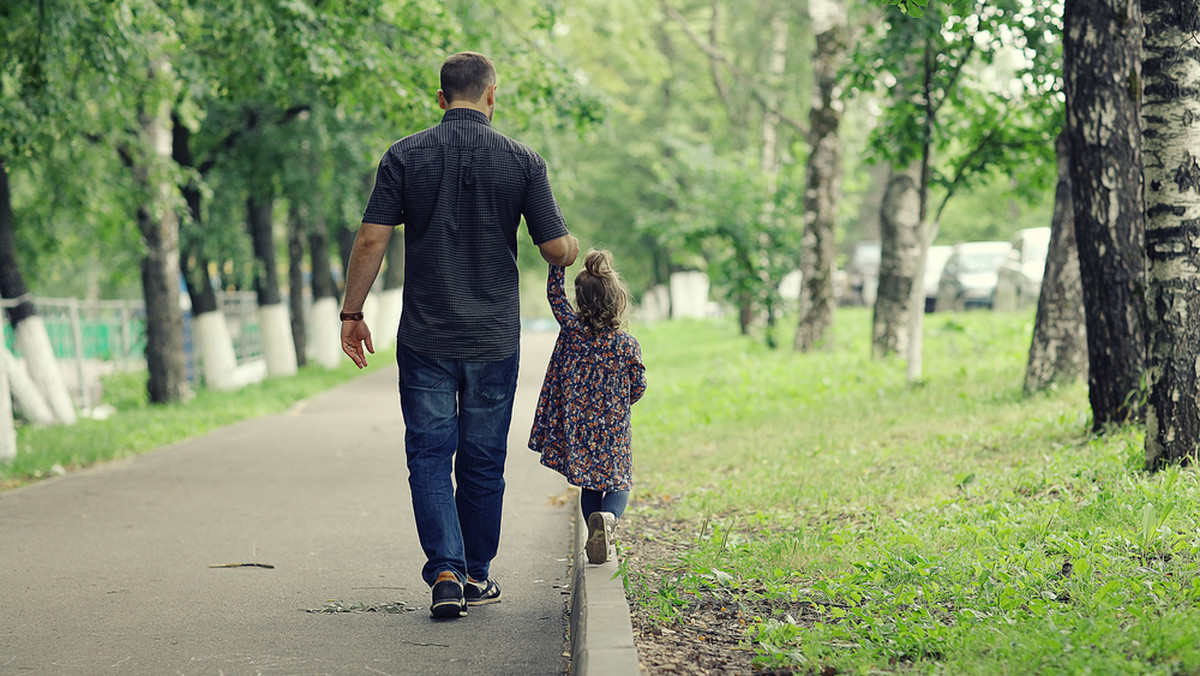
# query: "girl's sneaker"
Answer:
x=600 y=546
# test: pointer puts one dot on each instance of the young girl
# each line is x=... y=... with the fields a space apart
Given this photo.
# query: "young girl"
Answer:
x=595 y=375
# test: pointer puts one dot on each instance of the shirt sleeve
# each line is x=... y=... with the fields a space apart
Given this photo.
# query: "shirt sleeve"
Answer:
x=557 y=296
x=386 y=206
x=542 y=215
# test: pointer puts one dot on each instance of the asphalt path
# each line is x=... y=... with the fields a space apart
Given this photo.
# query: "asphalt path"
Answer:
x=110 y=570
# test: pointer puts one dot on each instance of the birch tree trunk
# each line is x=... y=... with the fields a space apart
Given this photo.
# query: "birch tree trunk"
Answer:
x=824 y=176
x=1102 y=76
x=51 y=393
x=210 y=332
x=914 y=362
x=391 y=298
x=899 y=239
x=1058 y=351
x=159 y=226
x=8 y=431
x=296 y=284
x=1171 y=157
x=326 y=331
x=771 y=159
x=278 y=349
x=27 y=399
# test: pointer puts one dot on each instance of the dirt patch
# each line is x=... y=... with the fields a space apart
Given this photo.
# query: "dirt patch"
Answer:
x=708 y=635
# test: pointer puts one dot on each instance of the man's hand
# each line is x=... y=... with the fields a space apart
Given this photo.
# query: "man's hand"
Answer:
x=355 y=335
x=561 y=252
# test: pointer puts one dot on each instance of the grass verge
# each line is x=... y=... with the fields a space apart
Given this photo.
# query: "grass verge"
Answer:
x=137 y=427
x=956 y=526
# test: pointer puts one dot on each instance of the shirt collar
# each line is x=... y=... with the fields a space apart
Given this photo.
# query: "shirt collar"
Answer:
x=469 y=114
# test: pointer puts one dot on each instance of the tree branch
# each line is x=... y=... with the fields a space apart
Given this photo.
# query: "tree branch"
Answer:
x=251 y=122
x=716 y=54
x=960 y=171
x=718 y=81
x=958 y=68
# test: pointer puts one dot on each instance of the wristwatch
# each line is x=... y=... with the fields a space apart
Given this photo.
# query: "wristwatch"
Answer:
x=351 y=316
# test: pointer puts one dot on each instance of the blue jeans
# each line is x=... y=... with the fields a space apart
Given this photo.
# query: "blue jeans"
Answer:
x=456 y=407
x=606 y=501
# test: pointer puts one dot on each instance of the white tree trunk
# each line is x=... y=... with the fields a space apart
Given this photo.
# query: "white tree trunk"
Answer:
x=325 y=333
x=689 y=294
x=279 y=350
x=1171 y=161
x=915 y=363
x=218 y=361
x=384 y=329
x=370 y=313
x=900 y=239
x=8 y=431
x=29 y=401
x=823 y=176
x=34 y=343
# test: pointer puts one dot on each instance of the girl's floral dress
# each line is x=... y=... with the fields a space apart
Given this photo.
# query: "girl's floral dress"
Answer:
x=582 y=426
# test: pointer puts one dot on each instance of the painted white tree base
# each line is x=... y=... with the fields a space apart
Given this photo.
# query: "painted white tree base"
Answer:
x=279 y=350
x=689 y=294
x=28 y=400
x=218 y=361
x=34 y=343
x=387 y=319
x=8 y=431
x=326 y=332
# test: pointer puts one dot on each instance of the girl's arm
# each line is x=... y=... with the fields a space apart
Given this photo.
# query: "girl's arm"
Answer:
x=637 y=380
x=558 y=297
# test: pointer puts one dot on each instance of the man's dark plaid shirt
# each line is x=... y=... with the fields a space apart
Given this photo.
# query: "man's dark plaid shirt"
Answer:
x=460 y=189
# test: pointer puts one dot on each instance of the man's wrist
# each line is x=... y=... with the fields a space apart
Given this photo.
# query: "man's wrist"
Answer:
x=351 y=316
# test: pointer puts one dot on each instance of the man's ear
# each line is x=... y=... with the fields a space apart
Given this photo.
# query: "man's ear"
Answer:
x=491 y=96
x=442 y=103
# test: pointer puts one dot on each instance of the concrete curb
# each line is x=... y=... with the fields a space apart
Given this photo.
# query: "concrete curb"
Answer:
x=601 y=631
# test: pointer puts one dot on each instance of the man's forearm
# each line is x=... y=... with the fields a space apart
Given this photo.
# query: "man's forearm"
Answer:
x=366 y=257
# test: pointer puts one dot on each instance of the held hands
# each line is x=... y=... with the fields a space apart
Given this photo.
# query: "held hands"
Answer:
x=572 y=251
x=356 y=335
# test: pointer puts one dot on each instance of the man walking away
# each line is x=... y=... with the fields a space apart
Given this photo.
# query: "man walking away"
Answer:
x=460 y=188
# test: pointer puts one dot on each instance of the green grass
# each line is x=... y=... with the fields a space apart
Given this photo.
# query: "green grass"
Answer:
x=137 y=427
x=951 y=527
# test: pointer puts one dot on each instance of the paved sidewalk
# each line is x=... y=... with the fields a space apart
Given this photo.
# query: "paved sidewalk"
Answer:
x=107 y=571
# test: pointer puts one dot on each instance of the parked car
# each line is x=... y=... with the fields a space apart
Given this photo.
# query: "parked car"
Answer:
x=1019 y=280
x=862 y=273
x=969 y=278
x=935 y=261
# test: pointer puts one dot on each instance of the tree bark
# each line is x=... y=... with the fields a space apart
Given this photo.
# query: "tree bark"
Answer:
x=194 y=263
x=1058 y=351
x=279 y=350
x=8 y=431
x=326 y=336
x=27 y=326
x=391 y=297
x=159 y=226
x=296 y=285
x=261 y=222
x=1171 y=157
x=1102 y=79
x=824 y=177
x=899 y=239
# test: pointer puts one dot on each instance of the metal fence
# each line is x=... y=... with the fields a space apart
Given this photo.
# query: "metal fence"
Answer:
x=92 y=338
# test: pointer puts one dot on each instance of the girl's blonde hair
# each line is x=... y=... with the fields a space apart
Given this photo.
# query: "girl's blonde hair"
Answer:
x=600 y=293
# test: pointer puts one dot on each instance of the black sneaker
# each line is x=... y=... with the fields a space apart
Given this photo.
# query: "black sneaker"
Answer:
x=481 y=593
x=448 y=601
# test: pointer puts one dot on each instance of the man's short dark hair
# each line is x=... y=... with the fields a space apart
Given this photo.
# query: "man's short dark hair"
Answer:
x=466 y=75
